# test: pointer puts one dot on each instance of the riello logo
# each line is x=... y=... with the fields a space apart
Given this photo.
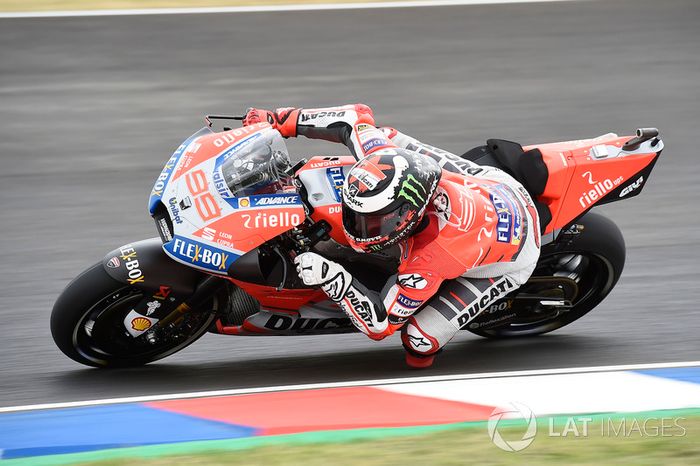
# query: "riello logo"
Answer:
x=598 y=190
x=271 y=220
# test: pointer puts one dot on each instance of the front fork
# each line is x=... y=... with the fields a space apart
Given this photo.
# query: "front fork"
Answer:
x=206 y=289
x=157 y=310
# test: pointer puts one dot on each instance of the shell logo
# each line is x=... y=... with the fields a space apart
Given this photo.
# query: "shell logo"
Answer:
x=140 y=324
x=244 y=202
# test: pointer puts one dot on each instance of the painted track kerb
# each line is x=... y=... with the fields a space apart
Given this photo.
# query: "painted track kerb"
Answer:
x=358 y=383
x=267 y=8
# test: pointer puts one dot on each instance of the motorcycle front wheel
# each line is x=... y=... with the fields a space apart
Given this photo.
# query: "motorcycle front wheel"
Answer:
x=87 y=323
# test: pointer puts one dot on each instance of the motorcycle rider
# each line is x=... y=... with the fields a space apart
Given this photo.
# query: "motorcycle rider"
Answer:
x=468 y=234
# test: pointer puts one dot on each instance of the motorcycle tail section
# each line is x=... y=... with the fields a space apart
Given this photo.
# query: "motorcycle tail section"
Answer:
x=591 y=172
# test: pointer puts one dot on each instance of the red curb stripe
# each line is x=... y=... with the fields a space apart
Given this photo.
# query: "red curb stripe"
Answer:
x=327 y=409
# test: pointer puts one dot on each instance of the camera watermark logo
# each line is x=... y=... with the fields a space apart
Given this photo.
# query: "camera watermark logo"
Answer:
x=514 y=428
x=516 y=410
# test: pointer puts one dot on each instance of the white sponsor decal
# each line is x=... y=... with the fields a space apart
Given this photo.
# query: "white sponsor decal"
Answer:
x=152 y=306
x=366 y=178
x=413 y=280
x=265 y=220
x=277 y=200
x=208 y=233
x=598 y=190
x=229 y=137
x=136 y=324
x=201 y=255
x=632 y=187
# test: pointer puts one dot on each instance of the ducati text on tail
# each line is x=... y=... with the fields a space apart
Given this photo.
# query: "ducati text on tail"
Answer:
x=232 y=212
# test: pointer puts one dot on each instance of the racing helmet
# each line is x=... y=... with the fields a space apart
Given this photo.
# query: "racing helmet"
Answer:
x=385 y=196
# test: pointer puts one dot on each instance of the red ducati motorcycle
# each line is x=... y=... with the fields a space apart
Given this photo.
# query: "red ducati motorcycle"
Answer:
x=232 y=211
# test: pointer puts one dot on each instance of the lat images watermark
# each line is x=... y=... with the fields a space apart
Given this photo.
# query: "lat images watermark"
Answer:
x=514 y=428
x=517 y=411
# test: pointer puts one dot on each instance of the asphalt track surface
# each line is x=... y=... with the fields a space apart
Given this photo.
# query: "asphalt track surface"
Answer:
x=90 y=109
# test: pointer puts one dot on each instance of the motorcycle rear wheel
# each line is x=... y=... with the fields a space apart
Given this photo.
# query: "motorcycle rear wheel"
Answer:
x=597 y=253
x=87 y=324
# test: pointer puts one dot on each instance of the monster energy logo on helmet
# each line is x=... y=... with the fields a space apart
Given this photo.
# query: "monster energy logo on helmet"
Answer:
x=412 y=191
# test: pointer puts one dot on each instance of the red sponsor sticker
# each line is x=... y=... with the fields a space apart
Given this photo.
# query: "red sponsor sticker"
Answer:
x=163 y=292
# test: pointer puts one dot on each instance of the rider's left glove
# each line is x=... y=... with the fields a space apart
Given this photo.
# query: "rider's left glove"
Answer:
x=283 y=120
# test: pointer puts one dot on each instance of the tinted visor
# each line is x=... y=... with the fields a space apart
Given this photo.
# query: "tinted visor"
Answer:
x=376 y=227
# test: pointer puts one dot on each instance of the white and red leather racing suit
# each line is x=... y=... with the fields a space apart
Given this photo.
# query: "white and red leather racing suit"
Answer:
x=482 y=240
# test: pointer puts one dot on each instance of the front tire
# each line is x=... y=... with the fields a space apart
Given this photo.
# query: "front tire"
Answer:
x=87 y=323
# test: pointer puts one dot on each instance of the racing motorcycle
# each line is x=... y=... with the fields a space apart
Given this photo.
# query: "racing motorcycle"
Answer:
x=232 y=210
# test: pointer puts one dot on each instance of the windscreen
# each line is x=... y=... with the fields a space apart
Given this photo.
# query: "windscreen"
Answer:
x=258 y=167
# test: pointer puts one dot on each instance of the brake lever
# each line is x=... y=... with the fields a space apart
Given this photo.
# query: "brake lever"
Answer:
x=208 y=118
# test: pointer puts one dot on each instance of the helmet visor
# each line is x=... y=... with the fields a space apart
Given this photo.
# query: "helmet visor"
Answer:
x=375 y=227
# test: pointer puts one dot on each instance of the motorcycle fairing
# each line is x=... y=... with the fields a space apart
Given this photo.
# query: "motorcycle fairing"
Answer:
x=323 y=178
x=199 y=255
x=307 y=319
x=144 y=265
x=211 y=225
x=288 y=299
x=591 y=172
x=164 y=177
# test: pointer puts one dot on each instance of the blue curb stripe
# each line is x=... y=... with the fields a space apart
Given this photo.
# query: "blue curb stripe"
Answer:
x=95 y=428
x=683 y=374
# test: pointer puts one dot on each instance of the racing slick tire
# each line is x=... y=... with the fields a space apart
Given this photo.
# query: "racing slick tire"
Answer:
x=592 y=252
x=87 y=324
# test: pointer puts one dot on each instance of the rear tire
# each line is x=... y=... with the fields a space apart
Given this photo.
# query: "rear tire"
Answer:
x=600 y=247
x=95 y=304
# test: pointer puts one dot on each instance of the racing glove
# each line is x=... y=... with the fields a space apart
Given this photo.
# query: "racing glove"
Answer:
x=365 y=311
x=283 y=120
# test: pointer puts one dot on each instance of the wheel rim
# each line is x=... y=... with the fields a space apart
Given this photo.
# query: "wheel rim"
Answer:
x=100 y=335
x=593 y=274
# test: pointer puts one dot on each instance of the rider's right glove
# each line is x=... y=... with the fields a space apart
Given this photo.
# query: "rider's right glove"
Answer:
x=368 y=315
x=283 y=120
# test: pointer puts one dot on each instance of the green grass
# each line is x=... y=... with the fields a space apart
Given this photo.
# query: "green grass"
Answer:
x=58 y=5
x=468 y=443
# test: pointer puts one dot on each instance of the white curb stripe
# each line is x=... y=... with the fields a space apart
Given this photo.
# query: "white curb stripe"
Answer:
x=601 y=392
x=358 y=383
x=265 y=8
